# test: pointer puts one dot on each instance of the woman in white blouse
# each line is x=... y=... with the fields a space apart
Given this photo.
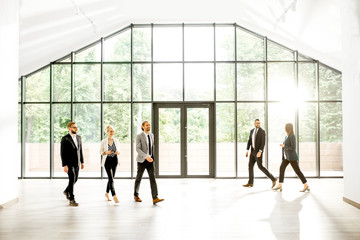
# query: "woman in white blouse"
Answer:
x=110 y=159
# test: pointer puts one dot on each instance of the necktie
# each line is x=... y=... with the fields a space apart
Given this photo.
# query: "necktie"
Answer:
x=149 y=145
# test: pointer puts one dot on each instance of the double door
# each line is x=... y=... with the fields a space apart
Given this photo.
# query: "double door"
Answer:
x=184 y=139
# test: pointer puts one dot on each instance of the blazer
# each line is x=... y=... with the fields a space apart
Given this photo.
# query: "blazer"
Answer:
x=104 y=148
x=290 y=148
x=259 y=141
x=70 y=154
x=142 y=146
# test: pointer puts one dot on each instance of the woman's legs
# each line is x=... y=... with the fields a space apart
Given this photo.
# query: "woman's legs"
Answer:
x=295 y=166
x=283 y=166
x=109 y=170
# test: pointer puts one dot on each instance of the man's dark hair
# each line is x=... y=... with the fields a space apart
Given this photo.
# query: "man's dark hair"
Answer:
x=257 y=120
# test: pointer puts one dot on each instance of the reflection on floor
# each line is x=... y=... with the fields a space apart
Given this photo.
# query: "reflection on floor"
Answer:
x=193 y=209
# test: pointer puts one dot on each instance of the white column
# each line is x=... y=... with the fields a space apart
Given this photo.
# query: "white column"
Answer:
x=350 y=16
x=9 y=69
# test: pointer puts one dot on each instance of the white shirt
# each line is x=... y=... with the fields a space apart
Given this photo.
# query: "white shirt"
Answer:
x=284 y=147
x=73 y=136
x=147 y=142
x=253 y=137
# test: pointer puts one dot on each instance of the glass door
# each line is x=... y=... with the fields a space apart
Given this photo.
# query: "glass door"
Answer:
x=169 y=141
x=197 y=141
x=183 y=138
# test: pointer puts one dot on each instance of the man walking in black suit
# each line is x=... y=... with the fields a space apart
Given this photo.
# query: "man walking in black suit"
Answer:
x=72 y=158
x=257 y=143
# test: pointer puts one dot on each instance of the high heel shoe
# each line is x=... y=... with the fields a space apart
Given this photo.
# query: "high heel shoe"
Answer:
x=278 y=188
x=115 y=199
x=305 y=189
x=107 y=196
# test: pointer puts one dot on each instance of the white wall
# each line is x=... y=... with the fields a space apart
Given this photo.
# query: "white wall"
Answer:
x=9 y=68
x=351 y=98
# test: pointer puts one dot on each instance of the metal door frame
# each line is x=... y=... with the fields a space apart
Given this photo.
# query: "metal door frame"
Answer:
x=183 y=137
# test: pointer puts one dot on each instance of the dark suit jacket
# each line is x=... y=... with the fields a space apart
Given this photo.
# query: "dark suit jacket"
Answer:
x=70 y=154
x=290 y=148
x=259 y=140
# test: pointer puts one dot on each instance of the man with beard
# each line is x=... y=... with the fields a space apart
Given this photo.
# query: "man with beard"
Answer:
x=72 y=159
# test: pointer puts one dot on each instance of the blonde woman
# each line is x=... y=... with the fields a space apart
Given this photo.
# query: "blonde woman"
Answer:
x=110 y=159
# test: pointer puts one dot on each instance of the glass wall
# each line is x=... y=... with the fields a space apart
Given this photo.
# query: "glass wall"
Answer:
x=307 y=138
x=37 y=140
x=118 y=79
x=246 y=114
x=331 y=139
x=61 y=116
x=141 y=112
x=118 y=115
x=278 y=115
x=225 y=139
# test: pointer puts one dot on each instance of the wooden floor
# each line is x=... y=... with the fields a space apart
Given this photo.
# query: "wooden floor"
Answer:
x=193 y=209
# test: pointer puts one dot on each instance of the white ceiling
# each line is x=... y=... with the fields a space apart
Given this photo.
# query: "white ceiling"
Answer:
x=51 y=29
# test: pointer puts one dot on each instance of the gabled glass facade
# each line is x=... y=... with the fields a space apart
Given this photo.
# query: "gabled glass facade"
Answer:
x=120 y=78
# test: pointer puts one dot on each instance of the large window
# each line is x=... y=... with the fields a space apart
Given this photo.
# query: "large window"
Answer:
x=118 y=115
x=37 y=140
x=225 y=139
x=61 y=116
x=307 y=138
x=87 y=117
x=118 y=79
x=141 y=113
x=168 y=82
x=278 y=114
x=246 y=114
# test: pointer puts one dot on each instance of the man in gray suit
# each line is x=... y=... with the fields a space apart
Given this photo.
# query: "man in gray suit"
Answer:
x=145 y=160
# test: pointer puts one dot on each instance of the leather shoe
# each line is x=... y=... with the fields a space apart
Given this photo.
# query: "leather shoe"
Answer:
x=274 y=182
x=66 y=195
x=73 y=203
x=137 y=199
x=156 y=200
x=248 y=185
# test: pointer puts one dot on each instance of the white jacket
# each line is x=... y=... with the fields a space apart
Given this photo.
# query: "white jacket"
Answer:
x=104 y=148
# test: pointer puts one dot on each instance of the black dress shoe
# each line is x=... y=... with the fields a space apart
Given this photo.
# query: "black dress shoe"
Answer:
x=66 y=195
x=73 y=203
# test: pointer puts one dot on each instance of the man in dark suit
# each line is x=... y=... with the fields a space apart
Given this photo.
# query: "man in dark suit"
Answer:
x=72 y=158
x=257 y=143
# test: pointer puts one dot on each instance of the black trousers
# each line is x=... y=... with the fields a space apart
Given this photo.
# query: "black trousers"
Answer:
x=151 y=171
x=254 y=159
x=110 y=168
x=73 y=175
x=295 y=166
